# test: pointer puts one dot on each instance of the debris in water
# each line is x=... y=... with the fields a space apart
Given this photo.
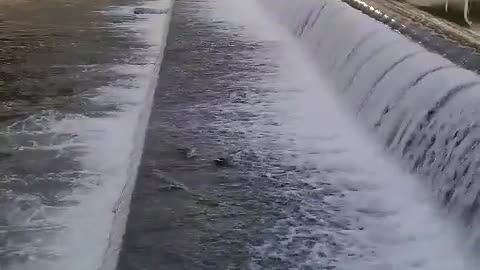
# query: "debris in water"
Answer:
x=170 y=184
x=188 y=152
x=222 y=162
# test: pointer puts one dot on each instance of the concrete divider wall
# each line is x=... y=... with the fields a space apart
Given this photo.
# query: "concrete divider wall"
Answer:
x=424 y=109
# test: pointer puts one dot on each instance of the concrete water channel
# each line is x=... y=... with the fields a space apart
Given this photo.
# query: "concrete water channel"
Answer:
x=260 y=134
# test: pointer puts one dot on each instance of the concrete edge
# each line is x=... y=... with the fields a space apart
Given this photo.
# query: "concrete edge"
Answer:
x=457 y=48
x=122 y=209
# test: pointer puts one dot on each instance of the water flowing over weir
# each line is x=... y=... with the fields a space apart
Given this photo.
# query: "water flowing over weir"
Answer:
x=424 y=109
x=68 y=169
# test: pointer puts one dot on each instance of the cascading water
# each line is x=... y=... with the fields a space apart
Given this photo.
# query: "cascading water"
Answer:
x=423 y=108
x=65 y=198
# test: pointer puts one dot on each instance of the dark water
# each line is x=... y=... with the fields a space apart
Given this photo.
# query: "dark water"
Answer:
x=189 y=213
x=333 y=204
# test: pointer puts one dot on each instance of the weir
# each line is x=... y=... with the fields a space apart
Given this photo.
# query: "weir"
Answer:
x=423 y=108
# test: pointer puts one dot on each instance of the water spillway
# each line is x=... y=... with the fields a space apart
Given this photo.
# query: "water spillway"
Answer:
x=258 y=150
x=422 y=107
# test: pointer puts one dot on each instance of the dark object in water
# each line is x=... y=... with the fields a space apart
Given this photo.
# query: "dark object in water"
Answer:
x=188 y=153
x=168 y=183
x=222 y=162
x=149 y=11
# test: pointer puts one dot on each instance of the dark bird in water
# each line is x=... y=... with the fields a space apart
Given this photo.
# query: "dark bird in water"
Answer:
x=222 y=162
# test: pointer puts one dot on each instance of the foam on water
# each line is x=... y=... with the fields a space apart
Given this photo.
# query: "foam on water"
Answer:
x=114 y=145
x=391 y=221
x=107 y=150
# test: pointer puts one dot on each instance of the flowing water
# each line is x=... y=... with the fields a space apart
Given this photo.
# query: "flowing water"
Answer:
x=311 y=187
x=76 y=80
x=336 y=130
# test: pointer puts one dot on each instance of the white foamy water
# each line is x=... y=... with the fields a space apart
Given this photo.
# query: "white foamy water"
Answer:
x=113 y=149
x=393 y=222
x=110 y=147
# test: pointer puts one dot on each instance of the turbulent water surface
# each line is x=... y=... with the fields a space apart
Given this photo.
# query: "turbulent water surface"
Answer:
x=74 y=84
x=306 y=187
x=273 y=139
